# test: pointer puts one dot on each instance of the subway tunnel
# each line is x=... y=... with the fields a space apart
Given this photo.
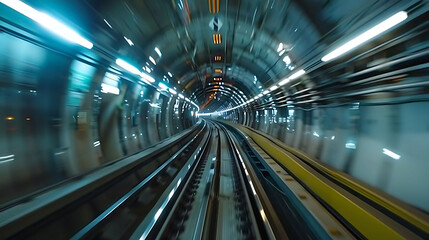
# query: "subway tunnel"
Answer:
x=215 y=119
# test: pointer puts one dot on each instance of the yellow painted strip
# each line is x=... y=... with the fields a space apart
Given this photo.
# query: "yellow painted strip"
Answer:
x=217 y=6
x=210 y=6
x=368 y=225
x=393 y=207
x=214 y=6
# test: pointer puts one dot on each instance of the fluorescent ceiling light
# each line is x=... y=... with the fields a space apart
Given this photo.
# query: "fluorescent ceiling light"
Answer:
x=105 y=88
x=350 y=145
x=172 y=91
x=265 y=92
x=129 y=41
x=154 y=105
x=108 y=24
x=286 y=80
x=152 y=60
x=130 y=68
x=144 y=81
x=7 y=157
x=366 y=36
x=260 y=95
x=280 y=47
x=273 y=88
x=169 y=74
x=297 y=74
x=162 y=86
x=391 y=154
x=181 y=96
x=147 y=69
x=48 y=22
x=147 y=77
x=96 y=143
x=287 y=60
x=283 y=51
x=158 y=51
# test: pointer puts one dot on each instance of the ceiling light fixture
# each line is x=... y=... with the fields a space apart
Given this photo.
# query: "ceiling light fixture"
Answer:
x=287 y=60
x=108 y=24
x=391 y=154
x=152 y=60
x=147 y=77
x=106 y=88
x=130 y=68
x=366 y=36
x=48 y=22
x=162 y=86
x=297 y=74
x=280 y=47
x=158 y=52
x=129 y=41
x=273 y=88
x=284 y=82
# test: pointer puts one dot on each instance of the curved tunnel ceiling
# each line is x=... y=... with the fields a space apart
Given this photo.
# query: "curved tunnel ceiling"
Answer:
x=260 y=42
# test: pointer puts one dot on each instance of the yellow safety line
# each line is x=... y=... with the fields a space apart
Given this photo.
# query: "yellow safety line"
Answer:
x=368 y=193
x=367 y=224
x=210 y=6
x=217 y=6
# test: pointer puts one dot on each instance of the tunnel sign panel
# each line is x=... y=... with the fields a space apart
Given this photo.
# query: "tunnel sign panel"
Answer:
x=215 y=24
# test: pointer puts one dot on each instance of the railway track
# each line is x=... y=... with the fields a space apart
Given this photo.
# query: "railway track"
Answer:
x=217 y=202
x=216 y=183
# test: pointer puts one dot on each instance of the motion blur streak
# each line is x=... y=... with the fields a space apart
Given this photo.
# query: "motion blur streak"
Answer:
x=48 y=22
x=368 y=35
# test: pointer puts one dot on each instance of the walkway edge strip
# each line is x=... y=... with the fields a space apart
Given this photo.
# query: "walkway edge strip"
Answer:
x=367 y=224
